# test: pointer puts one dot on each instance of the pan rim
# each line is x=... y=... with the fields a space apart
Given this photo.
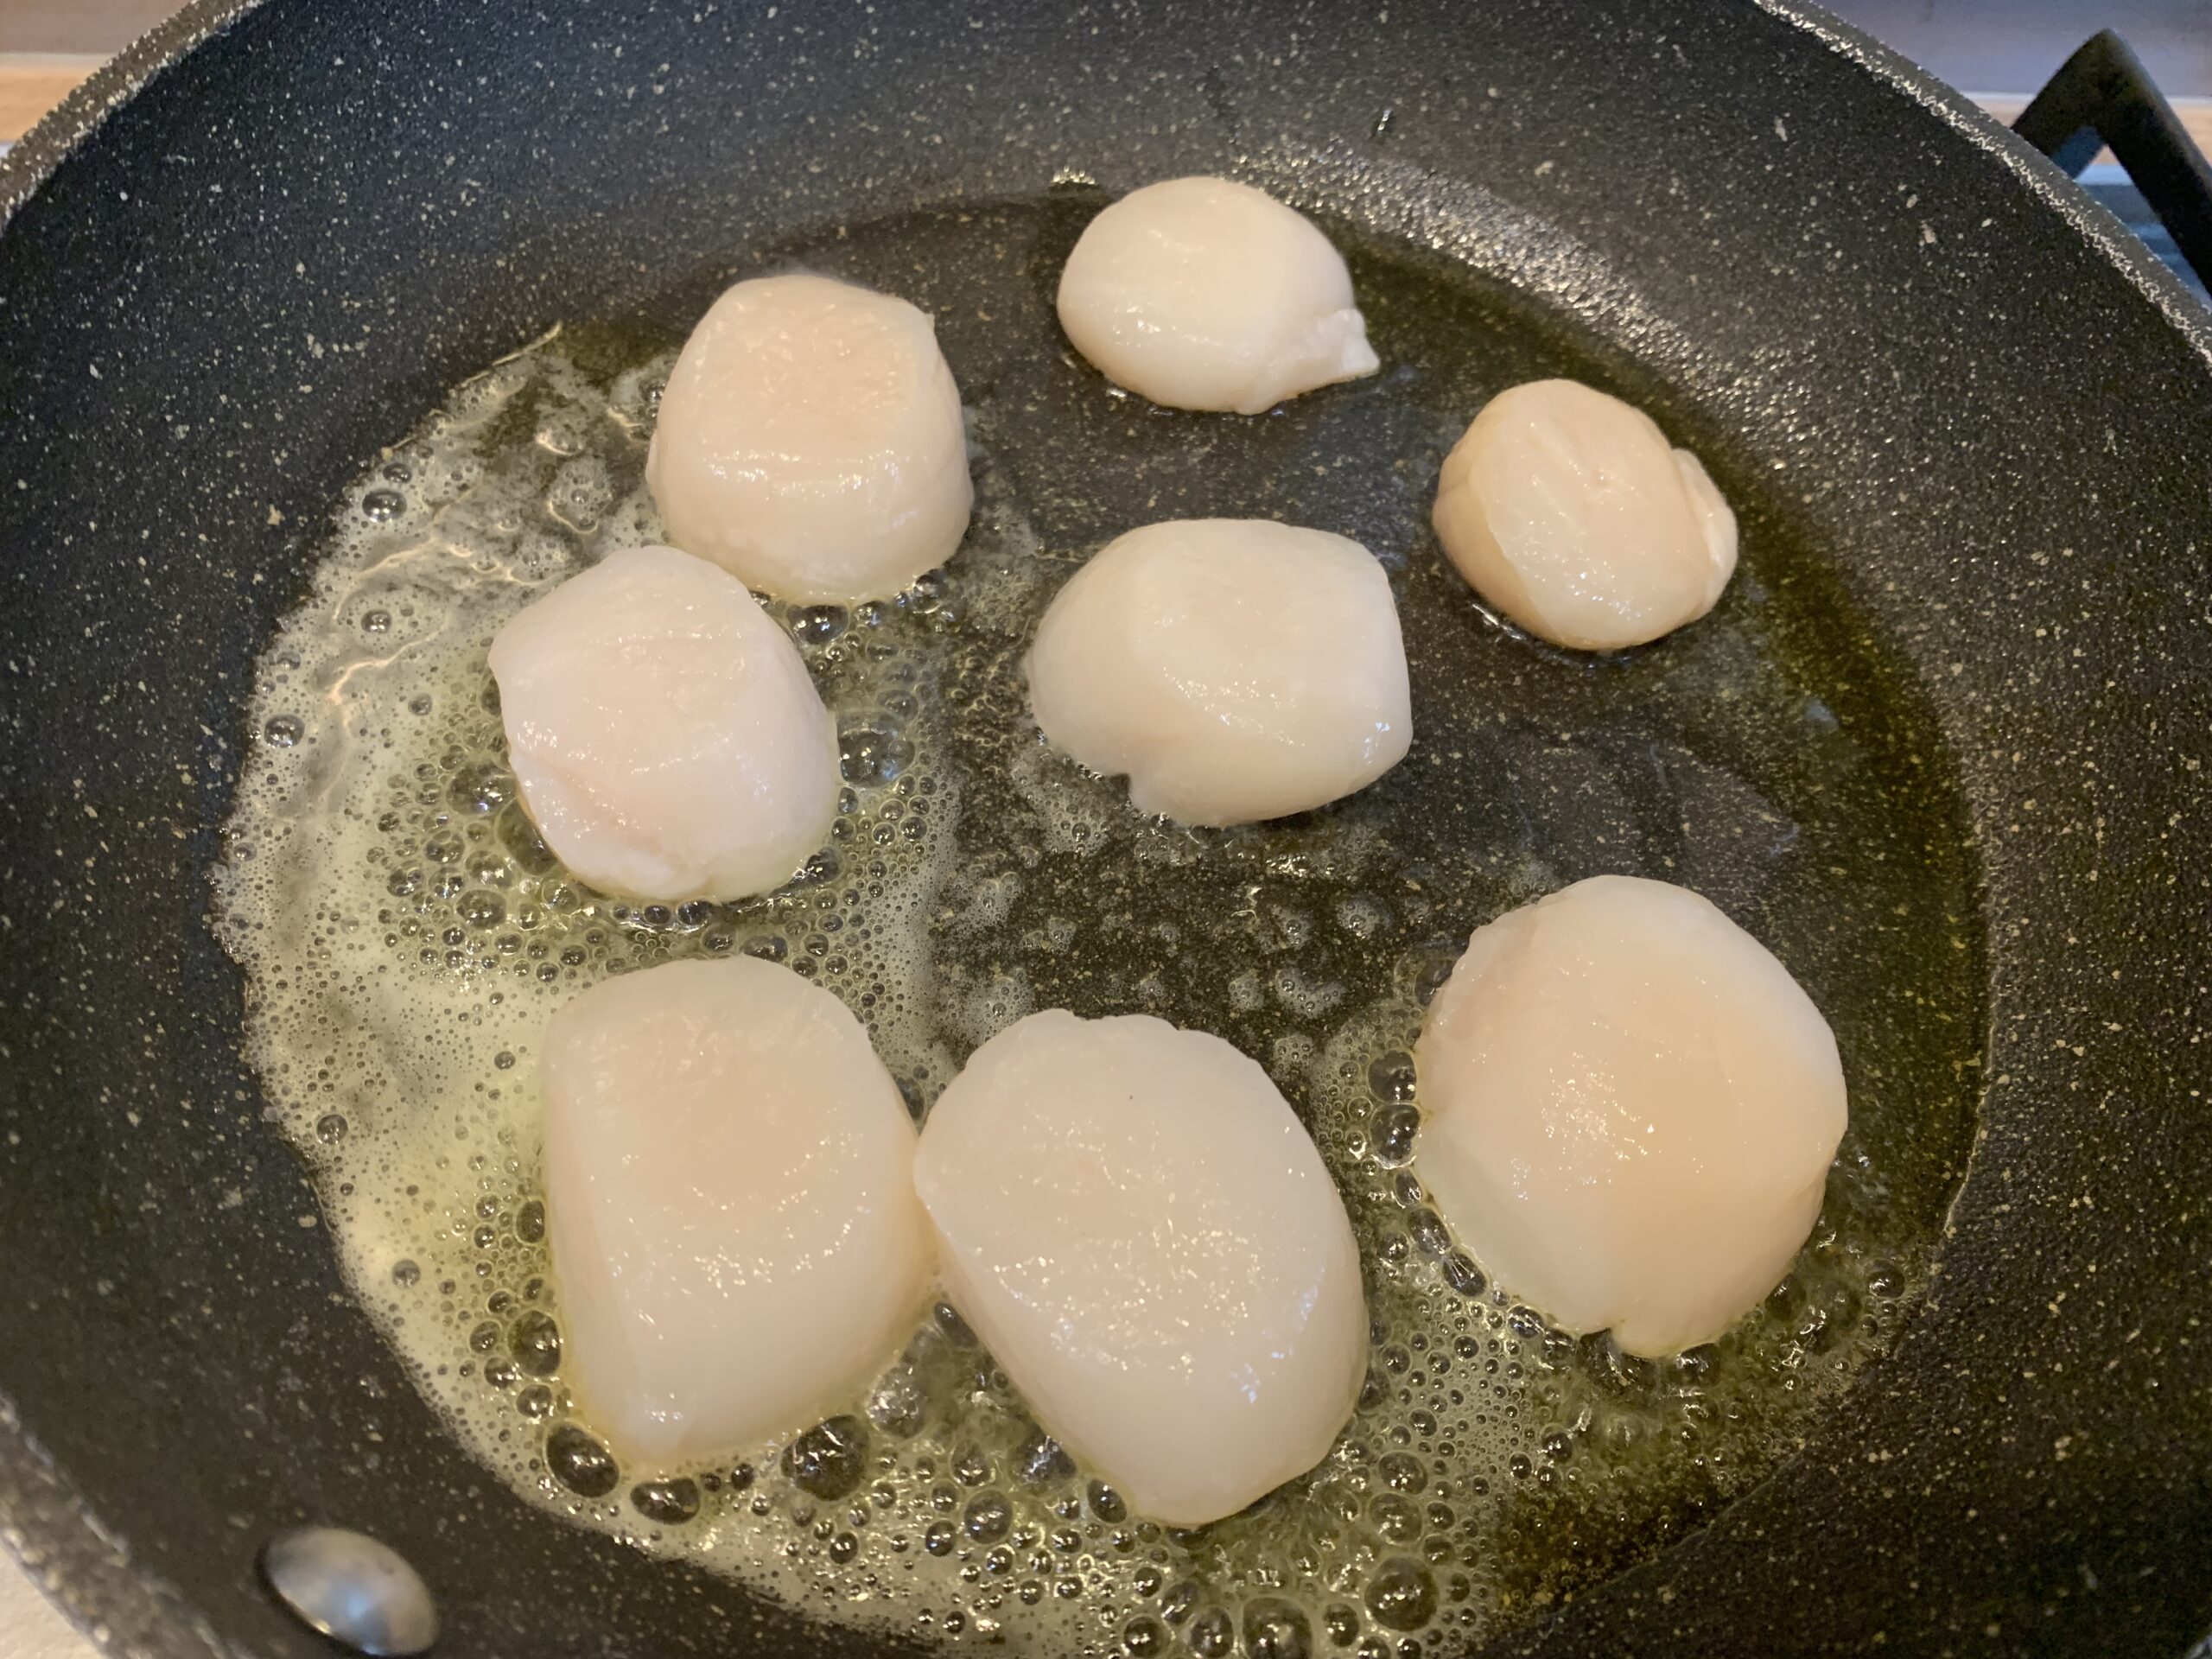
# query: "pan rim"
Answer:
x=55 y=1539
x=2082 y=213
x=27 y=168
x=32 y=160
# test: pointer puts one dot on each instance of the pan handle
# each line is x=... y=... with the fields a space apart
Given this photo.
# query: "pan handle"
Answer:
x=2104 y=96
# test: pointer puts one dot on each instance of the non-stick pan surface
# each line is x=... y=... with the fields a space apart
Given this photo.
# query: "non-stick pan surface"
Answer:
x=1966 y=428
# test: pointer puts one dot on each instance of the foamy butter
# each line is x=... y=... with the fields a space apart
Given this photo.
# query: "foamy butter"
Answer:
x=405 y=935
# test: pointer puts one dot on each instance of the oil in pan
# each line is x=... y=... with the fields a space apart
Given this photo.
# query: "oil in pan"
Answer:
x=405 y=934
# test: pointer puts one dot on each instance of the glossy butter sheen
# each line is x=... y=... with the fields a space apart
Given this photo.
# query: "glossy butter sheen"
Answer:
x=1236 y=668
x=1567 y=509
x=1145 y=1239
x=665 y=737
x=1202 y=293
x=810 y=441
x=737 y=1247
x=1629 y=1109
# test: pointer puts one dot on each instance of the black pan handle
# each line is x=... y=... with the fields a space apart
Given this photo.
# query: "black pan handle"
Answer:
x=2104 y=96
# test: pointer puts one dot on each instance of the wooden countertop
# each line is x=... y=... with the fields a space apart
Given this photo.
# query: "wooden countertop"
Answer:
x=31 y=83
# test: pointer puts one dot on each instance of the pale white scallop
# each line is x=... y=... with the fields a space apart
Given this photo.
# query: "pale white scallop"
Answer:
x=1144 y=1237
x=737 y=1248
x=1203 y=293
x=1629 y=1109
x=664 y=735
x=1236 y=668
x=1568 y=511
x=809 y=441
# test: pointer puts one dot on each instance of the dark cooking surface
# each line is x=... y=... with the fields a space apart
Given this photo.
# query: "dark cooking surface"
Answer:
x=259 y=271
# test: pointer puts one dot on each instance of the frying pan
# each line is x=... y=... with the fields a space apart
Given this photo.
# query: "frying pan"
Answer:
x=1969 y=427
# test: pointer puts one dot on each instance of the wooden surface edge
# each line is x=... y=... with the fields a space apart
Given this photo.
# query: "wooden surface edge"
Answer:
x=31 y=83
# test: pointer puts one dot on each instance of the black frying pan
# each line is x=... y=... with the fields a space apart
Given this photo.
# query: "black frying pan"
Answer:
x=1969 y=427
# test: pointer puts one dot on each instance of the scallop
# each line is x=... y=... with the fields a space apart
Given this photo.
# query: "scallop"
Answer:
x=1567 y=511
x=1234 y=669
x=1206 y=293
x=730 y=1198
x=664 y=736
x=1143 y=1233
x=809 y=441
x=1629 y=1109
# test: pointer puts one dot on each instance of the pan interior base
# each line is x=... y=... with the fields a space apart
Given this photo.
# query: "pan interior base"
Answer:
x=405 y=935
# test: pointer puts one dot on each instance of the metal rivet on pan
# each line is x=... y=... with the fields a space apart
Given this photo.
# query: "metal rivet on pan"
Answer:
x=352 y=1589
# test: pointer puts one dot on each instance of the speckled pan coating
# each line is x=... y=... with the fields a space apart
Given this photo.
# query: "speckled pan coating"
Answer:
x=1995 y=411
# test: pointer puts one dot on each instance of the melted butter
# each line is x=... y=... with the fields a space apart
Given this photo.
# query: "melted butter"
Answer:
x=405 y=935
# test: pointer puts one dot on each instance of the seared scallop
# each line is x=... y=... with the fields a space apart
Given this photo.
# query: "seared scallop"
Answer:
x=1629 y=1109
x=729 y=1195
x=1234 y=669
x=1206 y=293
x=1144 y=1237
x=665 y=737
x=1568 y=511
x=809 y=441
